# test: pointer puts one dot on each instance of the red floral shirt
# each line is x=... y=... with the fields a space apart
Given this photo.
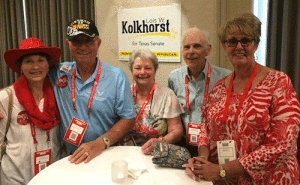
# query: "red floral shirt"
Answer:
x=266 y=131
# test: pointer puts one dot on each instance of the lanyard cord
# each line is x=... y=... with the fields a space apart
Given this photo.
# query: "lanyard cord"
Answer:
x=225 y=114
x=149 y=112
x=146 y=101
x=205 y=92
x=33 y=134
x=89 y=105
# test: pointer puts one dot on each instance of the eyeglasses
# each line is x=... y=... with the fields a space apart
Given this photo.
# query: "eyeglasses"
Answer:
x=234 y=42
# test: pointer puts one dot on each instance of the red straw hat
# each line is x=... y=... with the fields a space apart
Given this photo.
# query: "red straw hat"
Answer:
x=29 y=45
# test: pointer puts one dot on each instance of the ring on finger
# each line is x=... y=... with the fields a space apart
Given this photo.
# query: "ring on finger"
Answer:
x=86 y=153
x=199 y=165
x=200 y=176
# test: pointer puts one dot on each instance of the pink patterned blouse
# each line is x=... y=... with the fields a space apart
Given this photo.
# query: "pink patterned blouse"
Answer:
x=266 y=132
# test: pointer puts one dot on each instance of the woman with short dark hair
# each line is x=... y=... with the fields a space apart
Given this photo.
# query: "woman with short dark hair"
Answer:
x=32 y=137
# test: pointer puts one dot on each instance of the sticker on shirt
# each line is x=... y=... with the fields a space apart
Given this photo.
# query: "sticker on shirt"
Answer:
x=23 y=118
x=65 y=68
x=75 y=132
x=192 y=133
x=226 y=151
x=63 y=81
x=42 y=159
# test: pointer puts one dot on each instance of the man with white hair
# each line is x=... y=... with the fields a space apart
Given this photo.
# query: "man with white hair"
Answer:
x=93 y=97
x=193 y=82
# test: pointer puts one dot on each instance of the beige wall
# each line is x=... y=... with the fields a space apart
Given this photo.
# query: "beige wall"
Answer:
x=204 y=14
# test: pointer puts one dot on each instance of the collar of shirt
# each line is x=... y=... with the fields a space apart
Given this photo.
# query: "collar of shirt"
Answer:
x=203 y=74
x=93 y=77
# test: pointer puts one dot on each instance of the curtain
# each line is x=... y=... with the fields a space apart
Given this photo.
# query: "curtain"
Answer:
x=283 y=51
x=284 y=39
x=46 y=20
x=11 y=33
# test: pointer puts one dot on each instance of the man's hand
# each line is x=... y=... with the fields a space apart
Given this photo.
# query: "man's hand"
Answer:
x=87 y=151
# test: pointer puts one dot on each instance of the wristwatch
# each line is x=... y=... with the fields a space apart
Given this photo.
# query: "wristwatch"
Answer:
x=106 y=141
x=222 y=172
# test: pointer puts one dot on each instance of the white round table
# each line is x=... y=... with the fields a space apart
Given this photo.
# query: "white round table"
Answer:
x=98 y=170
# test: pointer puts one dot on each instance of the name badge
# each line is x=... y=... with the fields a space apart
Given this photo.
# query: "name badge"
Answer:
x=65 y=68
x=75 y=132
x=192 y=133
x=226 y=151
x=42 y=159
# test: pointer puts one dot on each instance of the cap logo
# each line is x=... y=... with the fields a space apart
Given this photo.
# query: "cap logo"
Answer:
x=80 y=21
x=72 y=32
x=81 y=24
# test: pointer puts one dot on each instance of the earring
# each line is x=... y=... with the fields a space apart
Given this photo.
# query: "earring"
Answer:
x=22 y=73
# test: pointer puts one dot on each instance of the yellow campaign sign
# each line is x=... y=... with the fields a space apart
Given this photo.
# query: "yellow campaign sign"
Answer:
x=157 y=28
x=158 y=54
x=125 y=53
x=170 y=35
x=166 y=54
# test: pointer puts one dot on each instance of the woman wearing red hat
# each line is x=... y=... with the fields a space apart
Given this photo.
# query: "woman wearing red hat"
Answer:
x=32 y=137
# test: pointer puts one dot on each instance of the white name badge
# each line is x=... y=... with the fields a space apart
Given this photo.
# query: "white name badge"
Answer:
x=65 y=68
x=226 y=151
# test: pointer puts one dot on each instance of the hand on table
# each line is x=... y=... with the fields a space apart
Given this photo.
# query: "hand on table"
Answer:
x=148 y=147
x=198 y=168
x=86 y=152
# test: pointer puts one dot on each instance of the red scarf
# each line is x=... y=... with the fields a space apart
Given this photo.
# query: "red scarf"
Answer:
x=45 y=120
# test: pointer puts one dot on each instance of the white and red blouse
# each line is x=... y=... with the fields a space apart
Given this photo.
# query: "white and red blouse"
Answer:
x=266 y=131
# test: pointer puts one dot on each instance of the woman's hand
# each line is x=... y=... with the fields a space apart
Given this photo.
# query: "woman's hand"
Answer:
x=189 y=169
x=198 y=168
x=148 y=147
x=87 y=151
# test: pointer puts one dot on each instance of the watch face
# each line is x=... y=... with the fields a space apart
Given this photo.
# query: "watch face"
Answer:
x=222 y=173
x=106 y=141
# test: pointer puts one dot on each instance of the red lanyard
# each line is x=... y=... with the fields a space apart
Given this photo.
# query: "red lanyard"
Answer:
x=89 y=105
x=146 y=101
x=205 y=92
x=133 y=89
x=225 y=114
x=33 y=134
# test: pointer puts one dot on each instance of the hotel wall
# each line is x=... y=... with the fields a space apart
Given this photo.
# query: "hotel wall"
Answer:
x=204 y=14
